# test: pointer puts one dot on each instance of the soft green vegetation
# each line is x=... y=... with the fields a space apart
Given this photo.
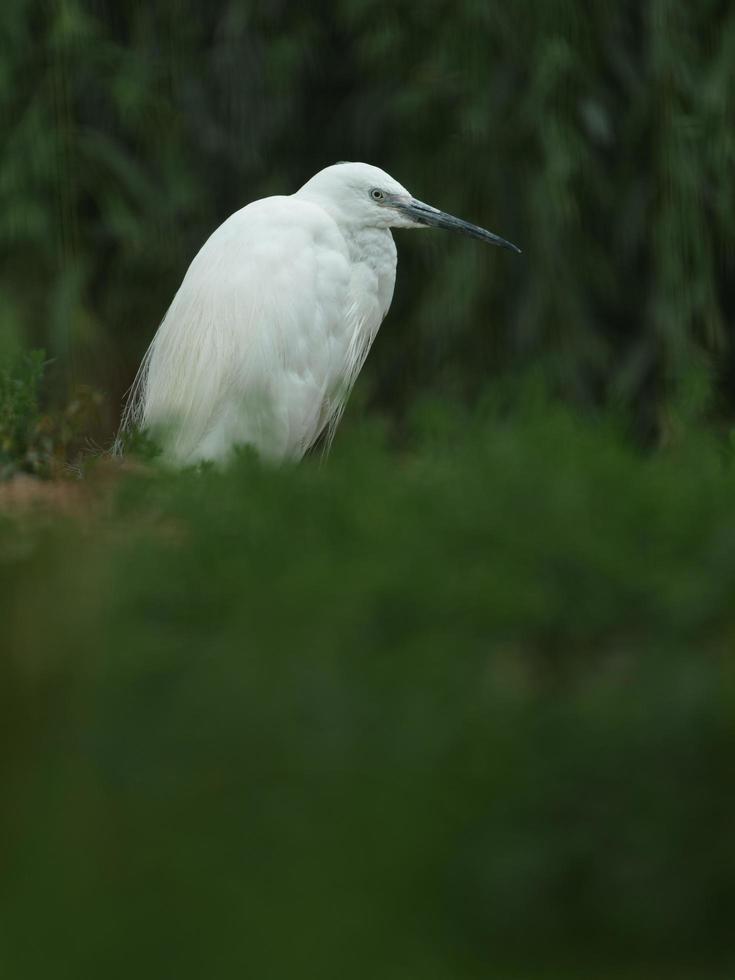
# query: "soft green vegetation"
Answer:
x=34 y=439
x=459 y=708
x=21 y=443
x=597 y=135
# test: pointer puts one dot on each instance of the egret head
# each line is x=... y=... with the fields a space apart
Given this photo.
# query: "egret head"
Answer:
x=367 y=196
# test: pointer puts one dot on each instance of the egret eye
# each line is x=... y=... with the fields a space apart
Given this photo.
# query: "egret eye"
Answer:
x=376 y=194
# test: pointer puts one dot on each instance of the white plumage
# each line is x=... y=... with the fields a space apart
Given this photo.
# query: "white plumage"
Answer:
x=275 y=316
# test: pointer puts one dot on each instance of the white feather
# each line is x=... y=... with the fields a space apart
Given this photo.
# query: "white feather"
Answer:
x=264 y=338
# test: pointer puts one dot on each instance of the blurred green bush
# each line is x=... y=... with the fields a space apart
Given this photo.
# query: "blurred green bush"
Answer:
x=464 y=710
x=599 y=136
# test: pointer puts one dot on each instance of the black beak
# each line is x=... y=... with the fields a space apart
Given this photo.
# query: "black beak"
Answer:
x=426 y=215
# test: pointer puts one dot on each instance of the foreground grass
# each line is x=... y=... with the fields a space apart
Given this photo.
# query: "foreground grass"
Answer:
x=464 y=710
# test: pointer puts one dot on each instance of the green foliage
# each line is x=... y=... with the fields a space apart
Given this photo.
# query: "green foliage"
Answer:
x=33 y=440
x=597 y=135
x=460 y=711
x=20 y=444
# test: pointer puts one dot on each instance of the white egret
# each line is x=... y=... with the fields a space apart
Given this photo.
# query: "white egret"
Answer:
x=275 y=317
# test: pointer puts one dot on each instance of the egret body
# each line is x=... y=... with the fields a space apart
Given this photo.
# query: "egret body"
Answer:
x=275 y=317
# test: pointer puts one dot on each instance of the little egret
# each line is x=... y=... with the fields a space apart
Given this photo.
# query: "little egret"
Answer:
x=275 y=317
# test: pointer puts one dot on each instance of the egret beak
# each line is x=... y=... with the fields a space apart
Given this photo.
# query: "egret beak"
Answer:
x=424 y=214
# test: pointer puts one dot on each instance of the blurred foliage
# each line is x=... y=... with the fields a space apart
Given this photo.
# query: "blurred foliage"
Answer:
x=464 y=711
x=19 y=411
x=33 y=440
x=599 y=136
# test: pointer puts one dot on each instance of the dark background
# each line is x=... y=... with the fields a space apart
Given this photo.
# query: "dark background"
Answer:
x=598 y=136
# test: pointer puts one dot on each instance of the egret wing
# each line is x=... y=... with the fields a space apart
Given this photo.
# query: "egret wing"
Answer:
x=257 y=338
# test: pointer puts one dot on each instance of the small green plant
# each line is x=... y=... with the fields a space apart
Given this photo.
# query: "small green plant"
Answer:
x=32 y=439
x=22 y=446
x=139 y=443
